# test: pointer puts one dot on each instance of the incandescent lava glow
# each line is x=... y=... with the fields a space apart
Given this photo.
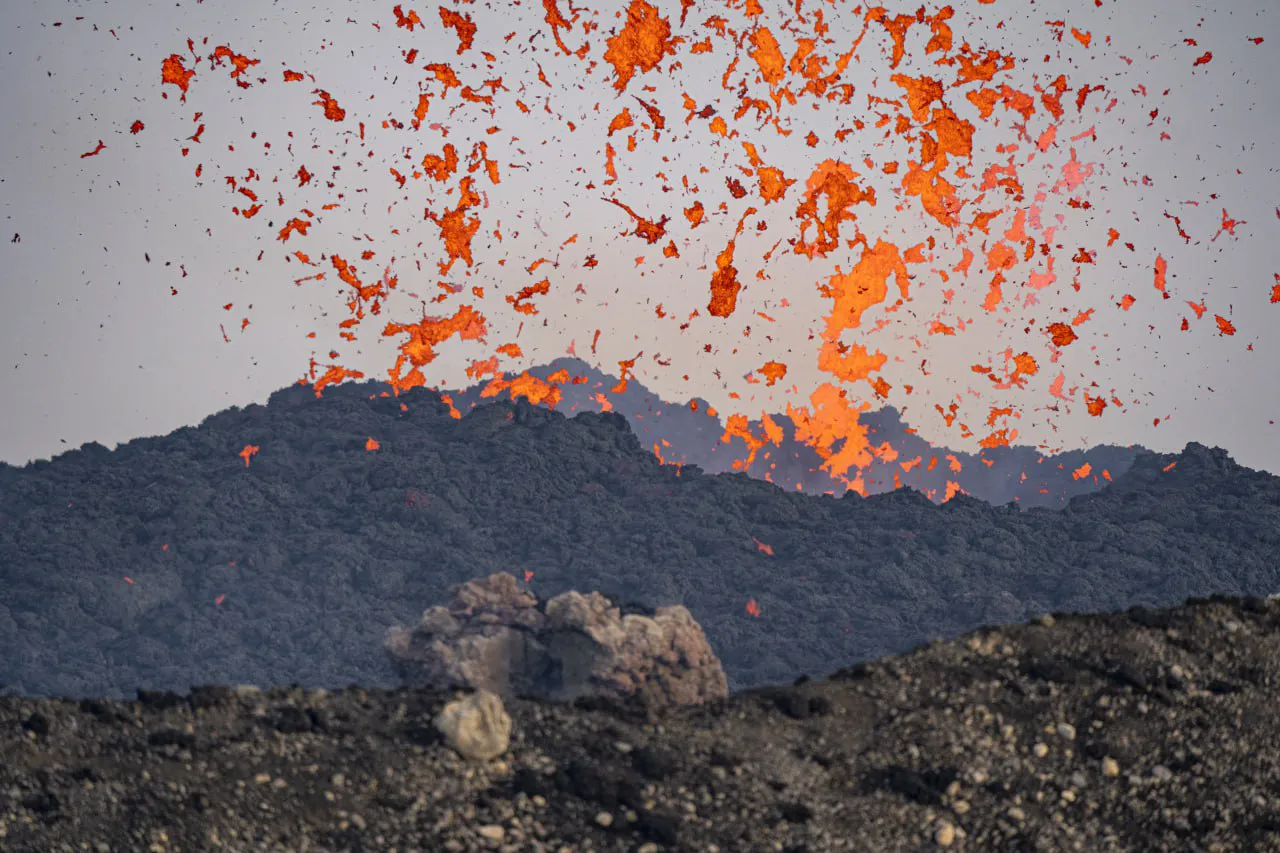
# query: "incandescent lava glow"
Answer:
x=899 y=173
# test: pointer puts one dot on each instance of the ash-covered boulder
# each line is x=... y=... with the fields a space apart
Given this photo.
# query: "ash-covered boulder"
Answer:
x=498 y=637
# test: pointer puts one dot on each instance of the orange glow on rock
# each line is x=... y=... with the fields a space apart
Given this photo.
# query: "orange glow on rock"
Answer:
x=460 y=24
x=641 y=44
x=767 y=55
x=773 y=371
x=834 y=183
x=173 y=71
x=1061 y=334
x=332 y=111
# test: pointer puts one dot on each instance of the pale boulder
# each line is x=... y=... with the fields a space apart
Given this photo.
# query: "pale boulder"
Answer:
x=476 y=726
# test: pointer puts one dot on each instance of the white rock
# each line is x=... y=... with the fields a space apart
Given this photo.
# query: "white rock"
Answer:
x=476 y=726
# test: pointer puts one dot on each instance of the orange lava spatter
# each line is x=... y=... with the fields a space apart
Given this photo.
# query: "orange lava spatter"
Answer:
x=641 y=44
x=943 y=167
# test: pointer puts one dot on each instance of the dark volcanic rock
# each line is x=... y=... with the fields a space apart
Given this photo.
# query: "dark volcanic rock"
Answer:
x=169 y=561
x=498 y=637
x=1146 y=731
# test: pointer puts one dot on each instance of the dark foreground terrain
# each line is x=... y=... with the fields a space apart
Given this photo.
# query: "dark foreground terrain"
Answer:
x=1147 y=730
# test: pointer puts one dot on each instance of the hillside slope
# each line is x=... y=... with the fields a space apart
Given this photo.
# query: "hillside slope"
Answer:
x=175 y=560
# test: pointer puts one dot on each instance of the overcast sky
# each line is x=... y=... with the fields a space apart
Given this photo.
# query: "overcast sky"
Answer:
x=95 y=344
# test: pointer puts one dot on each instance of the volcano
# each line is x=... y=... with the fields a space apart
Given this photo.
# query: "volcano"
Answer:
x=276 y=544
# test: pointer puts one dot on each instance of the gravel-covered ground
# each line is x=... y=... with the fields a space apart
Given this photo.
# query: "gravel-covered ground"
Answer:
x=1147 y=730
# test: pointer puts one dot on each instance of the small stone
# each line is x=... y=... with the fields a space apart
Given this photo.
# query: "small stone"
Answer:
x=1040 y=750
x=1161 y=773
x=1066 y=731
x=1017 y=814
x=477 y=727
x=492 y=831
x=604 y=818
x=945 y=834
x=1110 y=767
x=1045 y=620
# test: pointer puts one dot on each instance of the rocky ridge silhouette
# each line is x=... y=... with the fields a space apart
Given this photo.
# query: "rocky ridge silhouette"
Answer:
x=689 y=433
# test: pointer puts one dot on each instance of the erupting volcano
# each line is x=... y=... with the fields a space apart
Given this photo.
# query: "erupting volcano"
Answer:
x=938 y=201
x=686 y=426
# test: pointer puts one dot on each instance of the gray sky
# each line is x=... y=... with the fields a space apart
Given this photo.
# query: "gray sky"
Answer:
x=94 y=344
